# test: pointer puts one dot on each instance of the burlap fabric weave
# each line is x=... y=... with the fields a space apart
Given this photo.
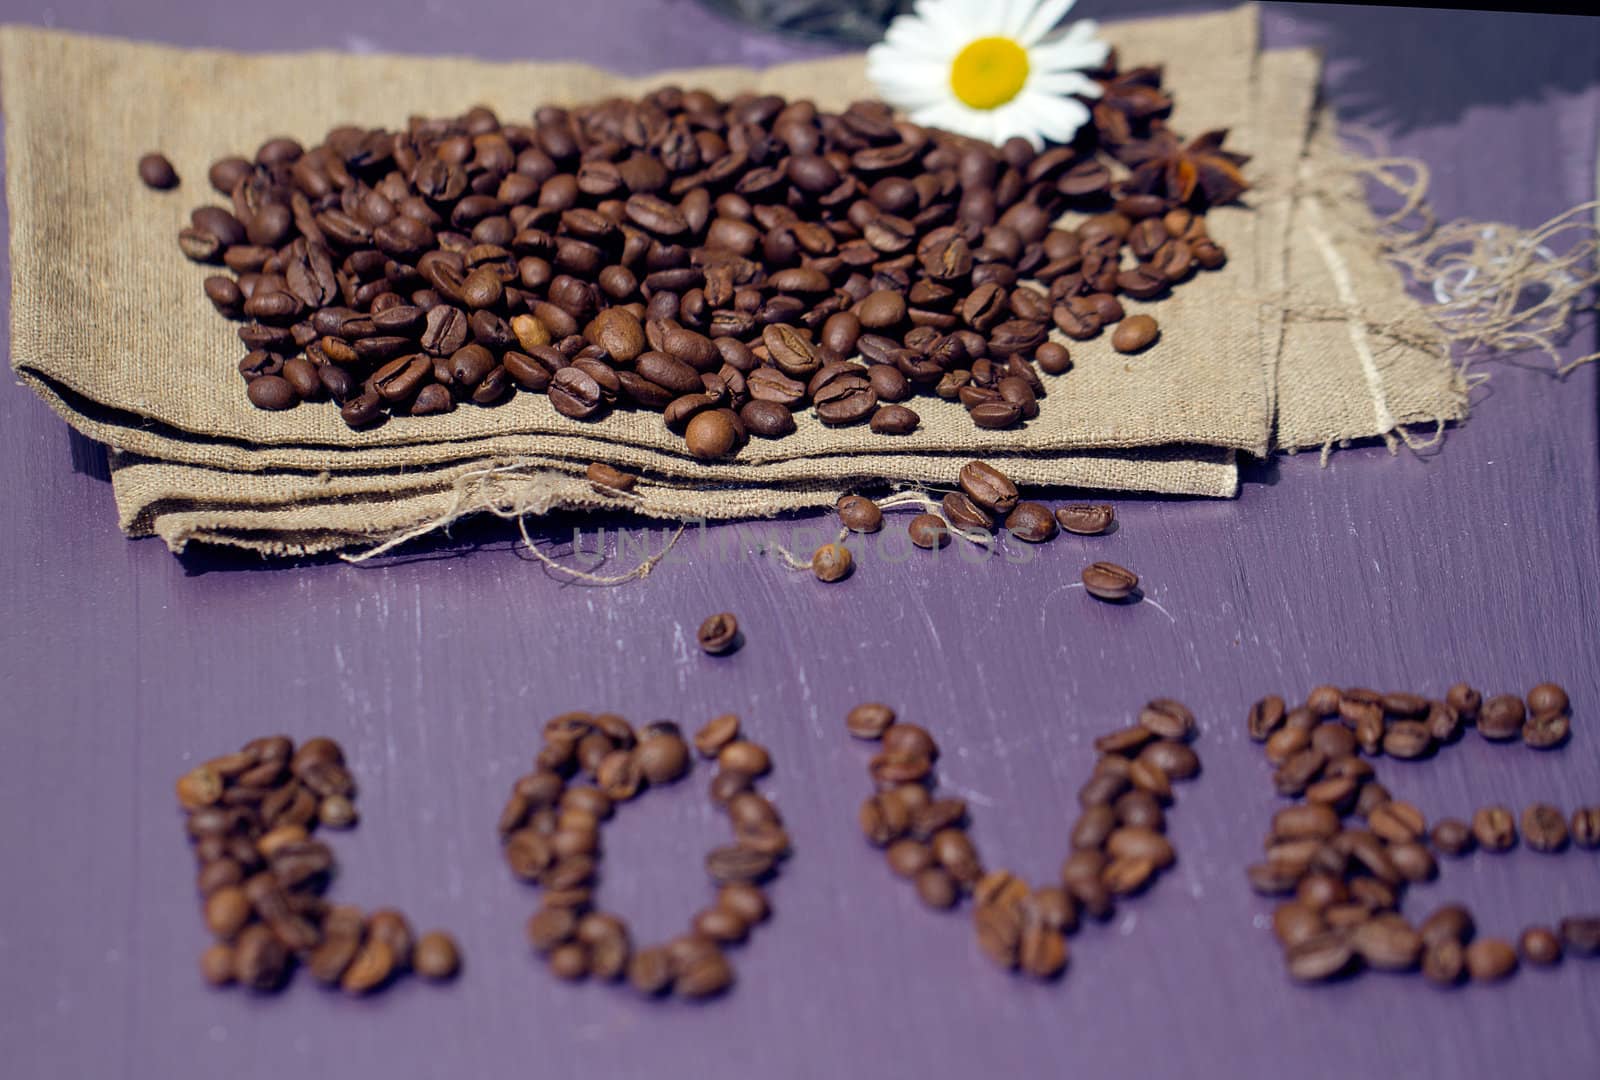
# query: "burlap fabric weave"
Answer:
x=110 y=326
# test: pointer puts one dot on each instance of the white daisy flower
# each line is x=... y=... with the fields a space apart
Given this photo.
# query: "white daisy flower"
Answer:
x=985 y=69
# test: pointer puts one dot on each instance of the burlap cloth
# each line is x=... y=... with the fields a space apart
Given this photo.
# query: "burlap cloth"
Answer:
x=110 y=326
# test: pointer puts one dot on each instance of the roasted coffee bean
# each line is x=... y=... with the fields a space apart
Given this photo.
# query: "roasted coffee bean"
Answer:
x=869 y=720
x=716 y=734
x=1108 y=581
x=1407 y=739
x=965 y=514
x=436 y=956
x=928 y=531
x=1387 y=943
x=710 y=435
x=1172 y=758
x=1466 y=701
x=1539 y=946
x=1134 y=333
x=1544 y=827
x=936 y=888
x=1547 y=698
x=1397 y=822
x=1490 y=959
x=1444 y=964
x=1167 y=719
x=1585 y=827
x=831 y=562
x=1453 y=837
x=1320 y=957
x=605 y=479
x=894 y=420
x=719 y=634
x=157 y=172
x=1086 y=519
x=1266 y=717
x=860 y=514
x=1494 y=828
x=988 y=487
x=1580 y=935
x=1032 y=522
x=1546 y=730
x=1501 y=717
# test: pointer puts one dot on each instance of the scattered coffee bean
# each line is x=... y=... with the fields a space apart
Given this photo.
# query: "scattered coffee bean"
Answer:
x=869 y=720
x=1490 y=959
x=1539 y=946
x=609 y=481
x=860 y=514
x=719 y=634
x=831 y=562
x=157 y=172
x=1544 y=828
x=988 y=487
x=1134 y=333
x=1453 y=837
x=1585 y=827
x=1086 y=519
x=436 y=956
x=1501 y=718
x=928 y=531
x=1494 y=828
x=1108 y=581
x=1032 y=522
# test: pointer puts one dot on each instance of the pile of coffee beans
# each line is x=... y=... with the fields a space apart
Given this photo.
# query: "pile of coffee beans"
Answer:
x=262 y=874
x=1119 y=846
x=1345 y=881
x=719 y=262
x=550 y=835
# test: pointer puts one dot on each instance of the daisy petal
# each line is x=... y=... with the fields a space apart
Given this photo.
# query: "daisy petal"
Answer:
x=1042 y=20
x=1063 y=83
x=1067 y=55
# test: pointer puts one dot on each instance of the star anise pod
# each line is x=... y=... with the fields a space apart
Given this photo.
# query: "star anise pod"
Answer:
x=1197 y=174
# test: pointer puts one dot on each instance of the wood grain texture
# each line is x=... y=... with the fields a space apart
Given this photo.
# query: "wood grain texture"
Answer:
x=120 y=664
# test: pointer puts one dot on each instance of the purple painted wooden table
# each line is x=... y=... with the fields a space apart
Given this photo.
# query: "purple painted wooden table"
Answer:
x=119 y=664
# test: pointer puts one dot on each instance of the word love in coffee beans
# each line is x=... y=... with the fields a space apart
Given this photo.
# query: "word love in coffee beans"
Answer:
x=722 y=263
x=1118 y=844
x=250 y=819
x=550 y=836
x=1345 y=882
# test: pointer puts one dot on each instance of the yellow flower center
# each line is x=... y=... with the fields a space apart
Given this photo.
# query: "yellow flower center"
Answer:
x=989 y=72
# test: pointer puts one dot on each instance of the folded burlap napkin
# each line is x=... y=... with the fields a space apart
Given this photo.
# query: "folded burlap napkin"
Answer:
x=110 y=327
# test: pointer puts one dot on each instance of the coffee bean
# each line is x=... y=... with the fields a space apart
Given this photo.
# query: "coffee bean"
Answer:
x=1544 y=828
x=436 y=956
x=1453 y=837
x=710 y=435
x=1586 y=827
x=966 y=514
x=718 y=733
x=1490 y=959
x=609 y=481
x=1134 y=333
x=1108 y=581
x=1387 y=943
x=1396 y=821
x=1444 y=964
x=1501 y=718
x=1580 y=935
x=1086 y=519
x=869 y=721
x=1320 y=957
x=1494 y=828
x=859 y=514
x=1547 y=698
x=988 y=487
x=1266 y=717
x=719 y=634
x=831 y=562
x=1546 y=730
x=1539 y=946
x=928 y=531
x=1407 y=740
x=157 y=172
x=1032 y=522
x=936 y=888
